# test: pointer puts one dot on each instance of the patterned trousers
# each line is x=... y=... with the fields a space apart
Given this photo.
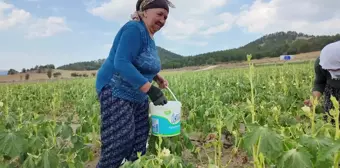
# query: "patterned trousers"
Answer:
x=328 y=105
x=124 y=129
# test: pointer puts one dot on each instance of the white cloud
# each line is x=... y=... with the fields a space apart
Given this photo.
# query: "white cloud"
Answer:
x=202 y=6
x=205 y=19
x=188 y=19
x=181 y=28
x=227 y=20
x=47 y=27
x=10 y=17
x=4 y=6
x=311 y=17
x=196 y=43
x=117 y=10
x=197 y=18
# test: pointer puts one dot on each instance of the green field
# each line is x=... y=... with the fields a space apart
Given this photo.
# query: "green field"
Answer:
x=57 y=124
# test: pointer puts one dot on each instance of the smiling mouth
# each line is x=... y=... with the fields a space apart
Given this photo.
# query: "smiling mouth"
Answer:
x=159 y=24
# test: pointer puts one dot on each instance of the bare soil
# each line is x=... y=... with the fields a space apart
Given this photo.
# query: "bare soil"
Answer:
x=228 y=159
x=311 y=56
x=41 y=77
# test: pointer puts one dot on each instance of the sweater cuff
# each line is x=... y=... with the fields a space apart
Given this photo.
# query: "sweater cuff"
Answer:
x=319 y=88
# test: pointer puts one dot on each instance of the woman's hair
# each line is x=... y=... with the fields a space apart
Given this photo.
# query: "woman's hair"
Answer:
x=137 y=15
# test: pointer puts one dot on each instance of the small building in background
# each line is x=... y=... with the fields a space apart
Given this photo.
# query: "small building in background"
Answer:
x=286 y=57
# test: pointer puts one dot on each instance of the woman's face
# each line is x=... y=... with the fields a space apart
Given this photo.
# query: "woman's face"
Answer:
x=155 y=18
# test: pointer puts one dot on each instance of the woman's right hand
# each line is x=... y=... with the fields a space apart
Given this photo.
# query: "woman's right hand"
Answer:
x=308 y=103
x=155 y=94
x=146 y=87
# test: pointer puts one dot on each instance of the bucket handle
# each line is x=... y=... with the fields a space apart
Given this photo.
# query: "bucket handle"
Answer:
x=172 y=93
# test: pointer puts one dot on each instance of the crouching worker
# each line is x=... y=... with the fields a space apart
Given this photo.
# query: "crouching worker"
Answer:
x=124 y=85
x=327 y=76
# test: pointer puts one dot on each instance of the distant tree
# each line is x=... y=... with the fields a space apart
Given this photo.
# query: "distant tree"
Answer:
x=23 y=70
x=57 y=74
x=49 y=73
x=74 y=74
x=49 y=66
x=27 y=76
x=12 y=72
x=81 y=66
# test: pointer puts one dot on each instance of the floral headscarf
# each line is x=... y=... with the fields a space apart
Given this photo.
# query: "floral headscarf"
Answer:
x=144 y=3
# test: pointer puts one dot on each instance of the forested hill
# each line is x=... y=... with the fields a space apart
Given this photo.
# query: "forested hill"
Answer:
x=81 y=66
x=165 y=56
x=271 y=45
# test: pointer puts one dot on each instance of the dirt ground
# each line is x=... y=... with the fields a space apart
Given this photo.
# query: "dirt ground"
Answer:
x=298 y=58
x=37 y=77
x=240 y=160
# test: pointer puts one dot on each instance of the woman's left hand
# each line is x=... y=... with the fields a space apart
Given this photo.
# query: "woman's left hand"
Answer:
x=162 y=83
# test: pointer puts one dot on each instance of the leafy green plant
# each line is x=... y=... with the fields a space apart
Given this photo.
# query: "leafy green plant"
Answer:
x=57 y=124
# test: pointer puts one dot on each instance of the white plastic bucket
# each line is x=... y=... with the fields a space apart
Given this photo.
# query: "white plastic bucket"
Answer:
x=166 y=120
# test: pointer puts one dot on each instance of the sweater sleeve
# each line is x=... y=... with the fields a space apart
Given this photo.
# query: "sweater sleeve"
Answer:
x=128 y=48
x=320 y=79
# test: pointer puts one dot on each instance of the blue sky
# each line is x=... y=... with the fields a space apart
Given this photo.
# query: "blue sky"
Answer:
x=38 y=32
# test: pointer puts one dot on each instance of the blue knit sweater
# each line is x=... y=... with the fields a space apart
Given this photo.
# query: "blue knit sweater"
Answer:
x=133 y=61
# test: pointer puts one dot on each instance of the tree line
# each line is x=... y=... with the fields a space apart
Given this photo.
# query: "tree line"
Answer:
x=165 y=56
x=36 y=69
x=272 y=45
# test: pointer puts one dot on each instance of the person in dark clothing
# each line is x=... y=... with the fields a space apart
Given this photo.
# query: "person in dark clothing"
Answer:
x=327 y=76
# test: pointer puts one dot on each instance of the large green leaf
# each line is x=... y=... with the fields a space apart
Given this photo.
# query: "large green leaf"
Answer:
x=296 y=158
x=64 y=130
x=10 y=121
x=314 y=144
x=29 y=162
x=12 y=143
x=49 y=159
x=6 y=165
x=271 y=144
x=230 y=121
x=35 y=143
x=326 y=154
x=78 y=143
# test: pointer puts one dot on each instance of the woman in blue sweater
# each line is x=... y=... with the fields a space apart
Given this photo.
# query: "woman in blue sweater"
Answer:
x=124 y=85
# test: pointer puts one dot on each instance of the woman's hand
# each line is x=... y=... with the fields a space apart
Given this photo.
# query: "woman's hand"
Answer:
x=308 y=102
x=162 y=83
x=146 y=87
